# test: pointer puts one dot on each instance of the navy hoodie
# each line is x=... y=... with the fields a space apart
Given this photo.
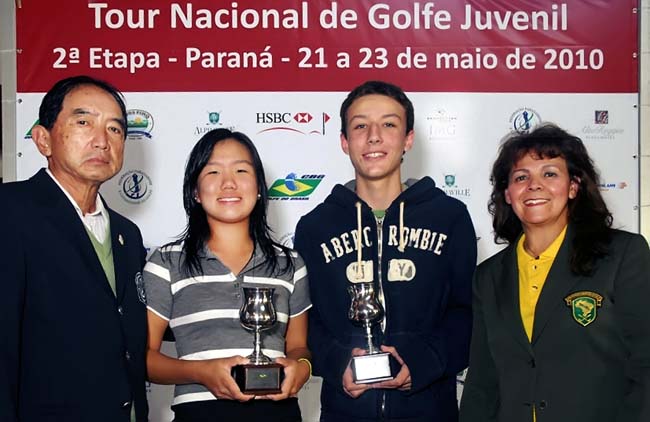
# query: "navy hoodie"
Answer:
x=425 y=275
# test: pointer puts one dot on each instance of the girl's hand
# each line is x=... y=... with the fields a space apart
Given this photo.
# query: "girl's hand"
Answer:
x=216 y=376
x=296 y=374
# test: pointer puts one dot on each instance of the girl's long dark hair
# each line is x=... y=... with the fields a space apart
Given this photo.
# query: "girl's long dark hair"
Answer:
x=588 y=213
x=197 y=231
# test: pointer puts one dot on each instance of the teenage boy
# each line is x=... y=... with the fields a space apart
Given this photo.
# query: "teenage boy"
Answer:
x=418 y=248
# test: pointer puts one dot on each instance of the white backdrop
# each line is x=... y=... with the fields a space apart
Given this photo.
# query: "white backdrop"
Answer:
x=457 y=134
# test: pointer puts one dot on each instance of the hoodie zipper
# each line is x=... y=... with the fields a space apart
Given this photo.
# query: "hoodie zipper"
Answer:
x=382 y=298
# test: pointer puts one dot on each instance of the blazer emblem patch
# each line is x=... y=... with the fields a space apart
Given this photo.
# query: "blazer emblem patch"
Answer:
x=583 y=306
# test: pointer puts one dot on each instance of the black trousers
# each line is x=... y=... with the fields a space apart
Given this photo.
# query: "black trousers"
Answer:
x=230 y=410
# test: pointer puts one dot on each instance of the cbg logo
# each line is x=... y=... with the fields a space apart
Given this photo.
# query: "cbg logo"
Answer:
x=295 y=188
x=136 y=186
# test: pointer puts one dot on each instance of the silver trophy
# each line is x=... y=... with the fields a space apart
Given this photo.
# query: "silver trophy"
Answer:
x=261 y=375
x=365 y=310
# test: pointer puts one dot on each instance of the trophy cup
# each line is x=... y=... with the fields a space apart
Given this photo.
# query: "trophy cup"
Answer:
x=261 y=375
x=365 y=310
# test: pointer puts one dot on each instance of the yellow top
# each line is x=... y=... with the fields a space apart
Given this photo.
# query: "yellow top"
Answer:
x=532 y=275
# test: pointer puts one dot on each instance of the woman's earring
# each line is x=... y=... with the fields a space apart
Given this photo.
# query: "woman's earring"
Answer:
x=259 y=196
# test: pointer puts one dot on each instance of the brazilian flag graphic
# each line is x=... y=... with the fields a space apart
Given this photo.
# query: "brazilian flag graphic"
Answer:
x=292 y=186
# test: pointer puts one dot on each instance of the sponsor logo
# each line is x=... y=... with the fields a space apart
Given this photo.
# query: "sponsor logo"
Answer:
x=583 y=306
x=213 y=120
x=451 y=188
x=295 y=188
x=442 y=126
x=601 y=117
x=600 y=129
x=139 y=124
x=135 y=186
x=28 y=135
x=450 y=180
x=524 y=119
x=304 y=117
x=301 y=122
x=612 y=186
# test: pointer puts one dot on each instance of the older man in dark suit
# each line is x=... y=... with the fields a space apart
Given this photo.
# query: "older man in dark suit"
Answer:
x=72 y=306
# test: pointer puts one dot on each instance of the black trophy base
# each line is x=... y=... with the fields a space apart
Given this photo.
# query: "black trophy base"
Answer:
x=367 y=369
x=259 y=379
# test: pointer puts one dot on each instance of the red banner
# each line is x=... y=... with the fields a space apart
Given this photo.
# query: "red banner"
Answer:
x=290 y=45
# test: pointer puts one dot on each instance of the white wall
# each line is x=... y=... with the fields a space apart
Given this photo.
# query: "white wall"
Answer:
x=645 y=117
x=8 y=82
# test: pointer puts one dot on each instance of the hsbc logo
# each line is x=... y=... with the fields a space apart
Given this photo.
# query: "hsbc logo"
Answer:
x=273 y=118
x=303 y=117
x=302 y=122
x=284 y=117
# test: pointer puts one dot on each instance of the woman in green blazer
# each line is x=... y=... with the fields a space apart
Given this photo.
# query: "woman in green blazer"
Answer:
x=561 y=316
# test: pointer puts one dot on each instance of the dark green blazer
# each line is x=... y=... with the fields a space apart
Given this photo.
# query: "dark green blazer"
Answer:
x=589 y=358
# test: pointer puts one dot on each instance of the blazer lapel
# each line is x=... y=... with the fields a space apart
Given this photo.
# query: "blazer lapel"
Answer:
x=507 y=296
x=120 y=248
x=64 y=218
x=559 y=282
